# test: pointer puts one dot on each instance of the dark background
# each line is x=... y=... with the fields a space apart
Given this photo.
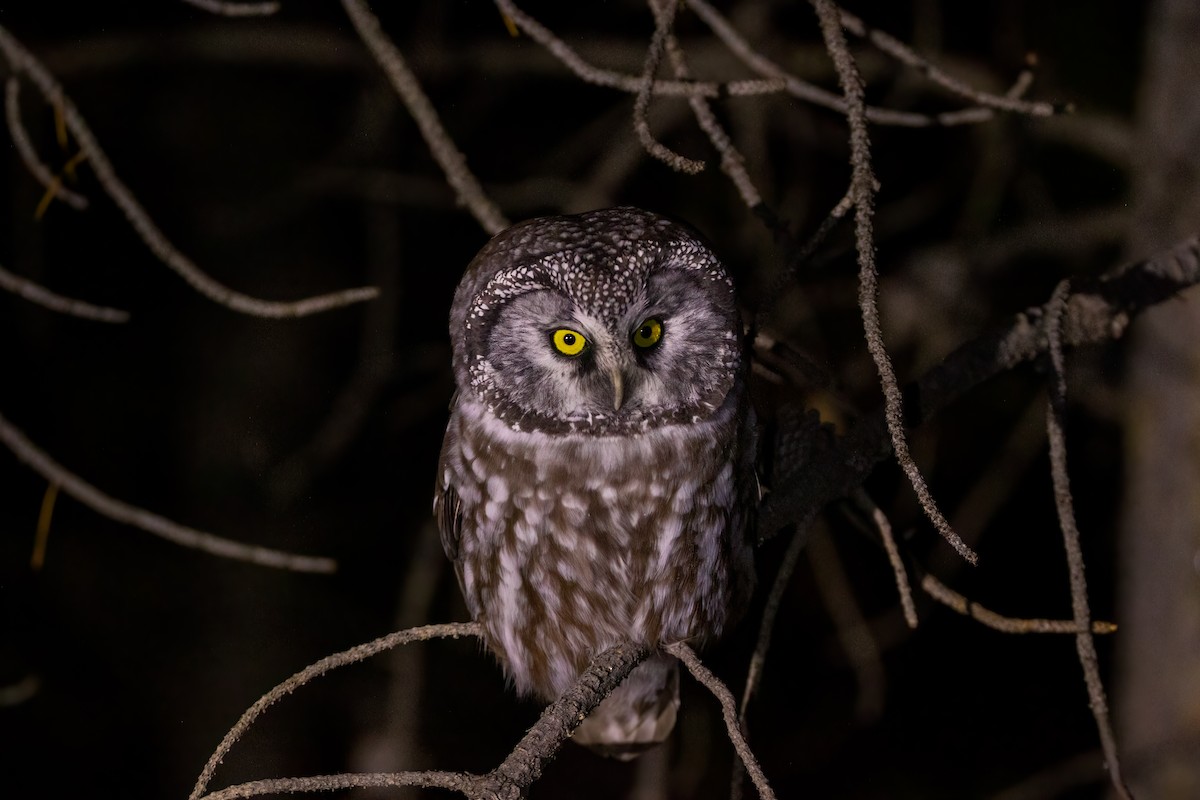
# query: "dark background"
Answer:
x=273 y=153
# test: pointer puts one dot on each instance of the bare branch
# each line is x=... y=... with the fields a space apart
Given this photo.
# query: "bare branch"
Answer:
x=787 y=566
x=664 y=17
x=441 y=146
x=728 y=710
x=853 y=631
x=455 y=781
x=862 y=187
x=42 y=296
x=626 y=83
x=224 y=9
x=511 y=779
x=538 y=747
x=884 y=526
x=22 y=61
x=41 y=463
x=808 y=92
x=344 y=658
x=732 y=163
x=800 y=257
x=904 y=54
x=969 y=608
x=1086 y=646
x=1098 y=310
x=41 y=173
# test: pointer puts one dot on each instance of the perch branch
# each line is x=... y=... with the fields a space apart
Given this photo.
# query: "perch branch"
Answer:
x=1086 y=646
x=22 y=61
x=455 y=781
x=558 y=722
x=509 y=781
x=862 y=186
x=37 y=460
x=315 y=670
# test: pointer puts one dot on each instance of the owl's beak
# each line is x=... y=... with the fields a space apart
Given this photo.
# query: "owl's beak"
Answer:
x=618 y=382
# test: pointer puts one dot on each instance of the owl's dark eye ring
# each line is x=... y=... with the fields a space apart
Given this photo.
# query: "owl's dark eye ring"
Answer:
x=568 y=342
x=648 y=334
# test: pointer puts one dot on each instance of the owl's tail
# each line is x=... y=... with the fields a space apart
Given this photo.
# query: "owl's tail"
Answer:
x=638 y=715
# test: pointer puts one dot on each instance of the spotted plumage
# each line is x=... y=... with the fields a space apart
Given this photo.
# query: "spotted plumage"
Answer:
x=596 y=478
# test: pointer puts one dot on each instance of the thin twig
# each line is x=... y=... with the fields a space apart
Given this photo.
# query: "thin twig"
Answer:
x=633 y=84
x=904 y=54
x=969 y=608
x=728 y=710
x=732 y=162
x=766 y=629
x=808 y=92
x=800 y=257
x=851 y=627
x=36 y=293
x=344 y=658
x=787 y=566
x=441 y=146
x=40 y=172
x=22 y=61
x=884 y=526
x=37 y=558
x=863 y=188
x=664 y=17
x=1084 y=644
x=41 y=463
x=225 y=9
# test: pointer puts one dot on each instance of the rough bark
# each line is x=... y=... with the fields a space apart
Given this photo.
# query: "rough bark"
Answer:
x=1159 y=667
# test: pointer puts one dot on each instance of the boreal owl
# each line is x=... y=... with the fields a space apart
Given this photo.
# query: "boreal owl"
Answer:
x=596 y=481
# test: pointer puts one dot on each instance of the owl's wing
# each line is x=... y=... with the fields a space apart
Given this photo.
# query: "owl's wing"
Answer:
x=447 y=509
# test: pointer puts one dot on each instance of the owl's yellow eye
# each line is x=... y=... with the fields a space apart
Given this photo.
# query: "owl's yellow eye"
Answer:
x=569 y=342
x=648 y=333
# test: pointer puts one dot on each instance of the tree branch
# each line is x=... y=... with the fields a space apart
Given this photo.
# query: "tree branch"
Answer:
x=453 y=163
x=351 y=656
x=1098 y=310
x=1056 y=410
x=862 y=188
x=22 y=61
x=41 y=463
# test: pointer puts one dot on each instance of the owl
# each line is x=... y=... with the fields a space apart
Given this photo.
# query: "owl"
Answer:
x=596 y=481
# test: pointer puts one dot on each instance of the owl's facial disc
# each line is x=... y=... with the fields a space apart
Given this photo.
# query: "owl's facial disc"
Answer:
x=607 y=323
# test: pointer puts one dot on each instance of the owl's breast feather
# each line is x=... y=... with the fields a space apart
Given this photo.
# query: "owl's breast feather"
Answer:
x=571 y=543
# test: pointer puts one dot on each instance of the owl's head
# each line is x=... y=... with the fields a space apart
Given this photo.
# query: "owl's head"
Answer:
x=613 y=321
